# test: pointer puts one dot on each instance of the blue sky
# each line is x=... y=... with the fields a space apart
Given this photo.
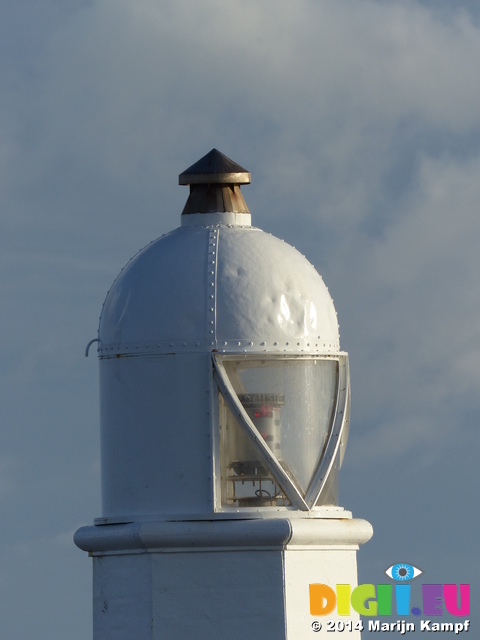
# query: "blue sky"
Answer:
x=360 y=123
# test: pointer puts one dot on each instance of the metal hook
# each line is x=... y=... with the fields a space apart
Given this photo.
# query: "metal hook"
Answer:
x=89 y=345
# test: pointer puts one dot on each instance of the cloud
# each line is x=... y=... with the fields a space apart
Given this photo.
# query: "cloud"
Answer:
x=125 y=88
x=413 y=332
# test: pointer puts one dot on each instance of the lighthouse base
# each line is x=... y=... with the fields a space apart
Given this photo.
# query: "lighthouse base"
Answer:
x=218 y=579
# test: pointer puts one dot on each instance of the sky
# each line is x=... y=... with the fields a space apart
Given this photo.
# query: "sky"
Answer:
x=359 y=121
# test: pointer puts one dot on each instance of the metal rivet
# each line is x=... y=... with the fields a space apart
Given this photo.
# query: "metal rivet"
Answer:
x=171 y=344
x=211 y=331
x=211 y=296
x=262 y=344
x=251 y=344
x=275 y=344
x=211 y=308
x=225 y=343
x=212 y=284
x=211 y=321
x=287 y=343
x=239 y=343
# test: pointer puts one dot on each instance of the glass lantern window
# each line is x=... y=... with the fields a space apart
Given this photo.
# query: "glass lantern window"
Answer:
x=291 y=403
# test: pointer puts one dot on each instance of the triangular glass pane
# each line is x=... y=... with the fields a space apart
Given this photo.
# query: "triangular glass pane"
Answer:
x=291 y=403
x=246 y=480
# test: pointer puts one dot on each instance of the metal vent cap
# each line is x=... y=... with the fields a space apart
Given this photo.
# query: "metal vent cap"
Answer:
x=214 y=168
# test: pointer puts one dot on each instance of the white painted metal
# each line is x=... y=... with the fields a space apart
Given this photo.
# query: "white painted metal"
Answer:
x=156 y=436
x=230 y=288
x=209 y=219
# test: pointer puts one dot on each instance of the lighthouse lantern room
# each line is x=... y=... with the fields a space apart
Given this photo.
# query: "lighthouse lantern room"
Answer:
x=225 y=406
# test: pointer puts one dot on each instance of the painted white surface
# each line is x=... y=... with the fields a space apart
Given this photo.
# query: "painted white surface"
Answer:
x=231 y=288
x=156 y=435
x=178 y=596
x=122 y=597
x=268 y=291
x=208 y=219
x=221 y=534
x=215 y=595
x=213 y=580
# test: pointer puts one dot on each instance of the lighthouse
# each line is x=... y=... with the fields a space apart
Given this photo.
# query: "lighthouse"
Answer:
x=225 y=406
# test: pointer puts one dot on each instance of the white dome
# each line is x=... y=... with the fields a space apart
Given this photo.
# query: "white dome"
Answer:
x=220 y=287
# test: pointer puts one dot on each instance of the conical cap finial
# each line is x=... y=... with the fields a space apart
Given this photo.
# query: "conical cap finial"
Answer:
x=214 y=168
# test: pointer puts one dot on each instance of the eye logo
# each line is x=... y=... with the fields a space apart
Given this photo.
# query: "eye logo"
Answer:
x=402 y=572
